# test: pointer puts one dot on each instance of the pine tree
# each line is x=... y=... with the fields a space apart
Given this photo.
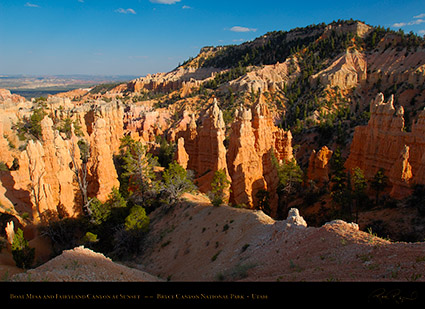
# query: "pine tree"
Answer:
x=219 y=186
x=22 y=254
x=359 y=190
x=139 y=169
x=379 y=182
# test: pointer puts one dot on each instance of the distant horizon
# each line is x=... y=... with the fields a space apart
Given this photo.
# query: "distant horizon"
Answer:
x=66 y=75
x=141 y=37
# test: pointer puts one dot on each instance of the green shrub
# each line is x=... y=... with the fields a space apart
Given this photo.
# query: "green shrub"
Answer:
x=219 y=186
x=137 y=220
x=166 y=152
x=89 y=238
x=65 y=234
x=101 y=212
x=3 y=167
x=35 y=122
x=22 y=254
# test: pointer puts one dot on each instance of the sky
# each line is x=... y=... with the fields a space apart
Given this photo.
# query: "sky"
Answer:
x=139 y=37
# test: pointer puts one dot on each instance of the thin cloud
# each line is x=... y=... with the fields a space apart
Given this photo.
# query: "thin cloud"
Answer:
x=242 y=29
x=31 y=5
x=421 y=32
x=165 y=1
x=417 y=20
x=185 y=7
x=399 y=25
x=125 y=11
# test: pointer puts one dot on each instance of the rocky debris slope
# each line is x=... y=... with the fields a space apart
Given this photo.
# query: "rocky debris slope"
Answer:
x=199 y=242
x=81 y=265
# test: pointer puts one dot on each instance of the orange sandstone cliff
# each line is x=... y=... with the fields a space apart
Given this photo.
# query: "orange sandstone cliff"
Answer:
x=384 y=143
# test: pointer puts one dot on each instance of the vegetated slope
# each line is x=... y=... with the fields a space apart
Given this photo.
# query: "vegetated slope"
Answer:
x=317 y=79
x=196 y=241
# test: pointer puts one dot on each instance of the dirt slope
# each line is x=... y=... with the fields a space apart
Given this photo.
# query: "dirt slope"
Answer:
x=82 y=265
x=198 y=242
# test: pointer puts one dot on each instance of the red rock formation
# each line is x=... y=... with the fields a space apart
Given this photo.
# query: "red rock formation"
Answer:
x=211 y=135
x=400 y=175
x=269 y=141
x=383 y=143
x=248 y=161
x=113 y=114
x=103 y=176
x=182 y=77
x=5 y=155
x=191 y=144
x=44 y=182
x=245 y=165
x=379 y=144
x=283 y=145
x=205 y=148
x=181 y=156
x=318 y=165
x=180 y=127
x=145 y=122
x=5 y=95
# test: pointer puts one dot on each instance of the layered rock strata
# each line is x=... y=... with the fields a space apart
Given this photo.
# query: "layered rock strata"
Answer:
x=384 y=143
x=204 y=146
x=41 y=180
x=253 y=142
x=245 y=165
x=102 y=173
x=43 y=184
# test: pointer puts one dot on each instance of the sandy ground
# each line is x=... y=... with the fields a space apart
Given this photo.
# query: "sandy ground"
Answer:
x=196 y=241
x=199 y=242
x=80 y=265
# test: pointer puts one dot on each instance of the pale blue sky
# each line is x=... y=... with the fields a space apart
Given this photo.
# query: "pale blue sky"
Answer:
x=137 y=37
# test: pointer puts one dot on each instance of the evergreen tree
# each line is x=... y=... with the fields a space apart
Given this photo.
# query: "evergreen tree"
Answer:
x=340 y=183
x=359 y=190
x=176 y=182
x=219 y=185
x=139 y=170
x=22 y=254
x=290 y=178
x=379 y=182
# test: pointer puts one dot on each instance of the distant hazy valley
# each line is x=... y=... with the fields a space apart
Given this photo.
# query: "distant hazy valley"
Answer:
x=30 y=86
